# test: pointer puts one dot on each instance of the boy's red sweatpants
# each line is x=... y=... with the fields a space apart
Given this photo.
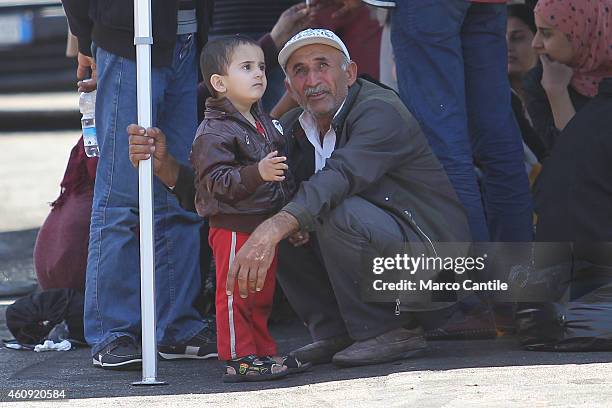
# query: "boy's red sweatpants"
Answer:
x=242 y=324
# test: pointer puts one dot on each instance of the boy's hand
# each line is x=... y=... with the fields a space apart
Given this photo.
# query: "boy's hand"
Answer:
x=272 y=167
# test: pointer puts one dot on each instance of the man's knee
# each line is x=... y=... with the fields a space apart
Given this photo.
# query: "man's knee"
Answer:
x=347 y=220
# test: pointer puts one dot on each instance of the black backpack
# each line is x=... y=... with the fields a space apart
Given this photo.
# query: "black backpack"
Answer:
x=31 y=318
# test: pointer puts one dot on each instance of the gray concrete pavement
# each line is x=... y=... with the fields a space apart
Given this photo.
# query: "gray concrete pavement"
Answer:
x=484 y=373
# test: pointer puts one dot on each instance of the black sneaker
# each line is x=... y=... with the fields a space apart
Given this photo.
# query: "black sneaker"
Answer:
x=122 y=354
x=201 y=346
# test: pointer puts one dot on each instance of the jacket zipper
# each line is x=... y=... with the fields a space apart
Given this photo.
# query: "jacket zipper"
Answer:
x=420 y=231
x=423 y=235
x=268 y=147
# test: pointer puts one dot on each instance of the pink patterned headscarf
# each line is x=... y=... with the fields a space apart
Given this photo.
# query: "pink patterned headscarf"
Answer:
x=588 y=25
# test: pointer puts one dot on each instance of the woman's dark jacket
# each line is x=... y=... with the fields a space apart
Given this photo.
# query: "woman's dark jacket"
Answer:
x=573 y=194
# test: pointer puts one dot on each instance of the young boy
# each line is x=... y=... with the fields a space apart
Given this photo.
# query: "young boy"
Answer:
x=241 y=179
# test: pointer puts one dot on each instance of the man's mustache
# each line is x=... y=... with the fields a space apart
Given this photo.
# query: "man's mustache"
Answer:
x=315 y=90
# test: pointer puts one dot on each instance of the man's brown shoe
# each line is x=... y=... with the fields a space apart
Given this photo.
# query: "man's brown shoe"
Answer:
x=322 y=351
x=394 y=345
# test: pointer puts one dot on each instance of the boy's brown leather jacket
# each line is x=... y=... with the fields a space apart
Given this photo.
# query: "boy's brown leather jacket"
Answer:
x=225 y=154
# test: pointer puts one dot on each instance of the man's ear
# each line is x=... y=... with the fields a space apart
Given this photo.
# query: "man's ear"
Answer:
x=218 y=83
x=351 y=73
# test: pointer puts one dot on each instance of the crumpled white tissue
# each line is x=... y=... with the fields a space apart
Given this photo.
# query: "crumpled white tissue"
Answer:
x=49 y=345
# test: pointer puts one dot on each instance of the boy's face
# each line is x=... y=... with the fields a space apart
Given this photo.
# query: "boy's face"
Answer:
x=245 y=81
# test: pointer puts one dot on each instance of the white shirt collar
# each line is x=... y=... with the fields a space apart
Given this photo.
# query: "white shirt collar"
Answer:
x=321 y=152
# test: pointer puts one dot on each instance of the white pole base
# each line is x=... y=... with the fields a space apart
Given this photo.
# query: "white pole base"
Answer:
x=148 y=381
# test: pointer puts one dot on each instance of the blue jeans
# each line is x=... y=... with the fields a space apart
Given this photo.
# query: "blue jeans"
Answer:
x=451 y=67
x=112 y=295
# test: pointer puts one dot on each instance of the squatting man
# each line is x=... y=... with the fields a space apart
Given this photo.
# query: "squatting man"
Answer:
x=367 y=177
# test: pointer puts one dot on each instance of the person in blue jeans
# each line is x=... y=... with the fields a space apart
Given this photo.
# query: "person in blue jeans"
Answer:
x=451 y=65
x=112 y=294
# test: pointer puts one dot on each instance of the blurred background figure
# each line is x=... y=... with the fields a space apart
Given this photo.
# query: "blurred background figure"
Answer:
x=522 y=58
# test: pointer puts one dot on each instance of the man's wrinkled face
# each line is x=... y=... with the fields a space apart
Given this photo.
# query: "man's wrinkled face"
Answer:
x=318 y=78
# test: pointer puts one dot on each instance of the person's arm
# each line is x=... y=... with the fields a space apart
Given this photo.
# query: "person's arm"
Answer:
x=380 y=139
x=175 y=176
x=538 y=108
x=556 y=78
x=290 y=22
x=562 y=107
x=254 y=258
x=284 y=105
x=77 y=12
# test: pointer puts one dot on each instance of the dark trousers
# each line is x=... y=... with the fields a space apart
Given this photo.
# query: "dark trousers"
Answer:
x=321 y=278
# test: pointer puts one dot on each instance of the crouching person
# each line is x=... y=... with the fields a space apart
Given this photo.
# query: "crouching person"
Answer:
x=366 y=175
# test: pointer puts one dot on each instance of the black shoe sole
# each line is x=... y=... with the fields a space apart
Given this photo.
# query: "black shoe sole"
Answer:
x=237 y=378
x=300 y=369
x=358 y=363
x=130 y=365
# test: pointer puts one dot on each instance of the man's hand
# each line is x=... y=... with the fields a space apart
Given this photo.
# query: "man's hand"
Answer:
x=87 y=85
x=299 y=238
x=272 y=167
x=254 y=258
x=86 y=68
x=292 y=21
x=556 y=76
x=143 y=144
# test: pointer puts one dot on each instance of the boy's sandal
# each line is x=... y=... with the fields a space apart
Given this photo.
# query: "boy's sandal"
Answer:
x=294 y=365
x=251 y=368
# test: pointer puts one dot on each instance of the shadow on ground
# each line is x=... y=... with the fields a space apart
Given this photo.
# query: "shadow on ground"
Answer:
x=73 y=370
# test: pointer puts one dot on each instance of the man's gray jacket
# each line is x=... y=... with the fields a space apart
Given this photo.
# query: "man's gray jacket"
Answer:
x=381 y=155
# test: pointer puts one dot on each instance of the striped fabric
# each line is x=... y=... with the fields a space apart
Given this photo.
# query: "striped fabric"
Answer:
x=247 y=16
x=187 y=22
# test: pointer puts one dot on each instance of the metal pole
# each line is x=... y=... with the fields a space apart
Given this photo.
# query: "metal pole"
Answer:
x=143 y=40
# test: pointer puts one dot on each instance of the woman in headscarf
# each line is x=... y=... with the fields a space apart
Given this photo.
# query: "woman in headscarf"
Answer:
x=573 y=41
x=573 y=194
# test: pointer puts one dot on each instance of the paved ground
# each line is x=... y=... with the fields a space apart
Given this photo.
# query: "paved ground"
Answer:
x=483 y=373
x=486 y=373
